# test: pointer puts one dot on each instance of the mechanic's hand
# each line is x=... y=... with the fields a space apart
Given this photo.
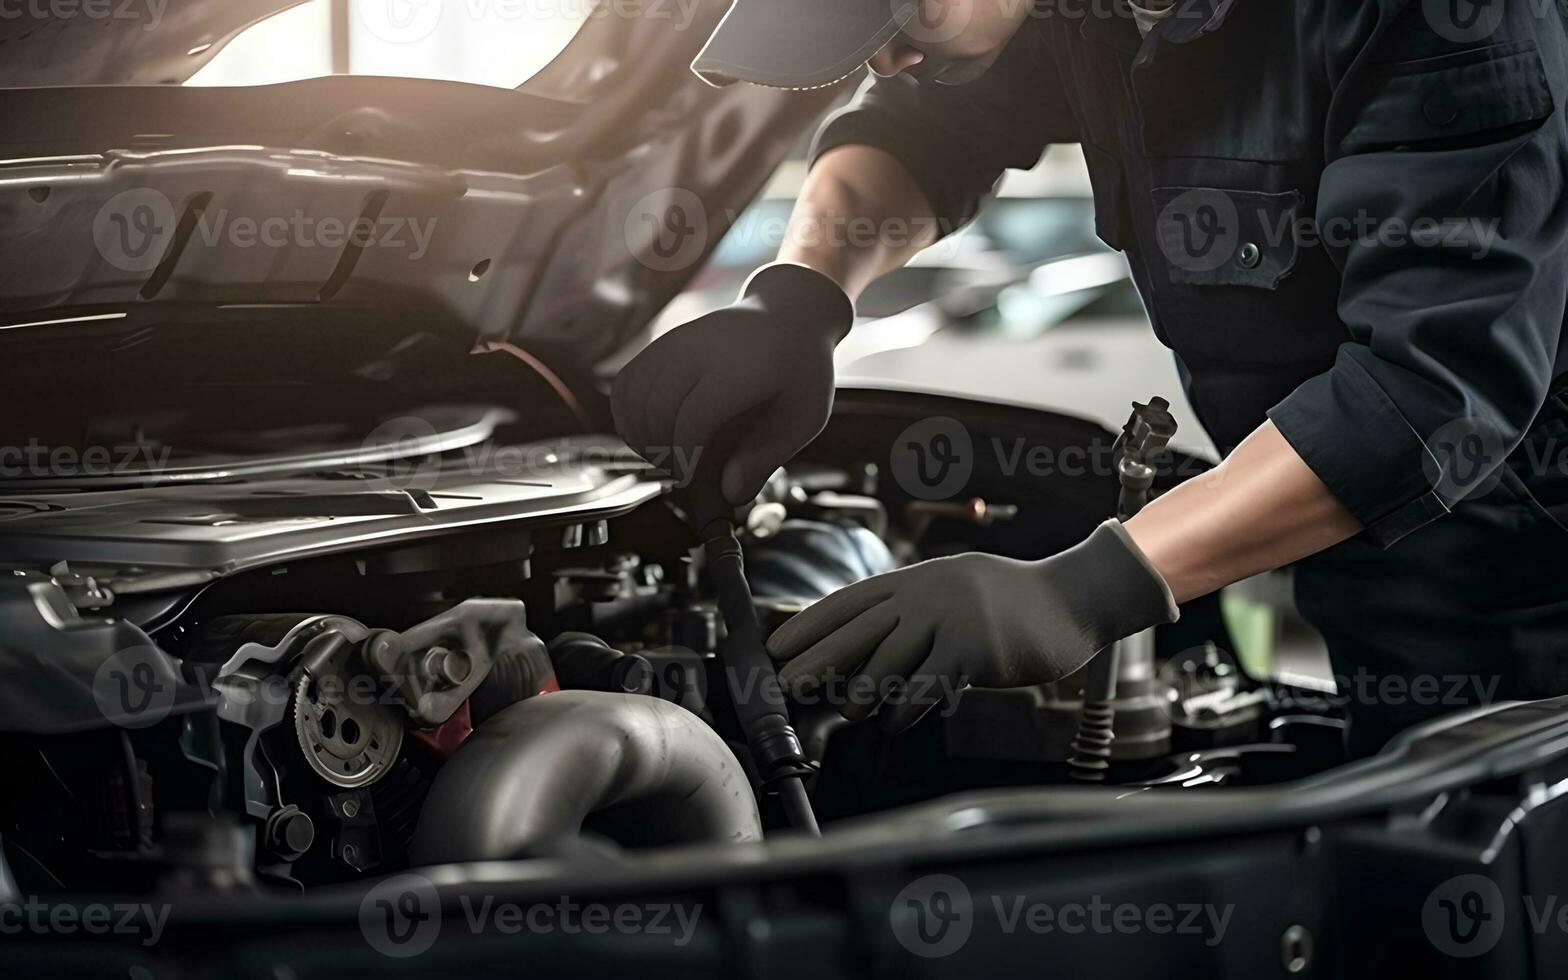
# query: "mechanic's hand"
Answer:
x=764 y=364
x=932 y=628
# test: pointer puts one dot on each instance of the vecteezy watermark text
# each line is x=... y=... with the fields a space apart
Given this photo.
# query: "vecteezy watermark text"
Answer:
x=564 y=915
x=935 y=916
x=402 y=916
x=935 y=458
x=38 y=460
x=670 y=229
x=135 y=228
x=407 y=468
x=1202 y=229
x=148 y=12
x=35 y=916
x=301 y=230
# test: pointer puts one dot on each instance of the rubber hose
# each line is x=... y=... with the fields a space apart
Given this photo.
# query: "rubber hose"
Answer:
x=535 y=771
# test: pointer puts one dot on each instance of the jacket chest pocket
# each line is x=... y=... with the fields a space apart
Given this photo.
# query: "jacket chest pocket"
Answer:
x=1211 y=236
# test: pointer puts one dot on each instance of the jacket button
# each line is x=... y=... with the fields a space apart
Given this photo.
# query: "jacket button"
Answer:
x=1249 y=256
x=1440 y=110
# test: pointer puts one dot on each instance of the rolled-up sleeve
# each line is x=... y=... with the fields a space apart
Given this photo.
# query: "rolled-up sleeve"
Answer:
x=1444 y=204
x=957 y=140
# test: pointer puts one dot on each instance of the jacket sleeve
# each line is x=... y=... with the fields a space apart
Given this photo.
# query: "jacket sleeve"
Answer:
x=957 y=140
x=1443 y=202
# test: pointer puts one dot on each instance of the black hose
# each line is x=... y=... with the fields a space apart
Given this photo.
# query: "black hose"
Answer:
x=752 y=679
x=797 y=805
x=133 y=790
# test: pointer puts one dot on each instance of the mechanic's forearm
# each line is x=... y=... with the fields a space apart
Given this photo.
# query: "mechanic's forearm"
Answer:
x=860 y=215
x=1261 y=508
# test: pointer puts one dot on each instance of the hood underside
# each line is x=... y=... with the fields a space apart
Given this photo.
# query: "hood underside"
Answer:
x=562 y=215
x=121 y=42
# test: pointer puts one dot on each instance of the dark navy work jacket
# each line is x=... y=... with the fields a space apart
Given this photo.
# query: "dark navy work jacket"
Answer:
x=1347 y=216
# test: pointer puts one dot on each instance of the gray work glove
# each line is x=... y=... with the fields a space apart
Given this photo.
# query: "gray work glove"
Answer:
x=760 y=372
x=926 y=631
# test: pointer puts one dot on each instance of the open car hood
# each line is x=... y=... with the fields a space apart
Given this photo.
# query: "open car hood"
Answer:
x=560 y=216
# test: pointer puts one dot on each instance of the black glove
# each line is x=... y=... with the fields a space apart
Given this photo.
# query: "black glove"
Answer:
x=932 y=628
x=765 y=364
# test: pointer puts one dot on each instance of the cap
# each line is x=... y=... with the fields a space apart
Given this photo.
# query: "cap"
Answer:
x=799 y=44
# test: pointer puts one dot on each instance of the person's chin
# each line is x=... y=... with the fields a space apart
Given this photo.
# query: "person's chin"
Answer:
x=959 y=73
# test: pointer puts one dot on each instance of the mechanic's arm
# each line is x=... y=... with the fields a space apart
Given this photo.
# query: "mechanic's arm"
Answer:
x=1454 y=334
x=1449 y=342
x=740 y=391
x=850 y=191
x=1261 y=508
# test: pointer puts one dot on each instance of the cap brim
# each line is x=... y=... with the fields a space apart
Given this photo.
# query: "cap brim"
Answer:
x=799 y=44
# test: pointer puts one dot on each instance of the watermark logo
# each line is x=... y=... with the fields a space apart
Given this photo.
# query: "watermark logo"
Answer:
x=149 y=12
x=411 y=466
x=667 y=230
x=933 y=459
x=933 y=916
x=133 y=229
x=401 y=916
x=1205 y=687
x=760 y=231
x=1465 y=458
x=565 y=915
x=1463 y=916
x=854 y=693
x=1464 y=21
x=935 y=21
x=134 y=688
x=1199 y=230
x=300 y=230
x=36 y=459
x=400 y=21
x=36 y=916
x=1471 y=235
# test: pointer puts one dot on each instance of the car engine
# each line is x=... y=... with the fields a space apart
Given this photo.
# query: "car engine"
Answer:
x=448 y=655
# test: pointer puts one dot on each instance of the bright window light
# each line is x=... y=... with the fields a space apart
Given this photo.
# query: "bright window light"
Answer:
x=285 y=47
x=487 y=42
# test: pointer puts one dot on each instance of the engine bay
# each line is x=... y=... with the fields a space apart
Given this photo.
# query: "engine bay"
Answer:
x=490 y=652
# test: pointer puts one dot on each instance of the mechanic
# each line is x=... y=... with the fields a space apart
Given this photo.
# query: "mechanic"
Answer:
x=1389 y=402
